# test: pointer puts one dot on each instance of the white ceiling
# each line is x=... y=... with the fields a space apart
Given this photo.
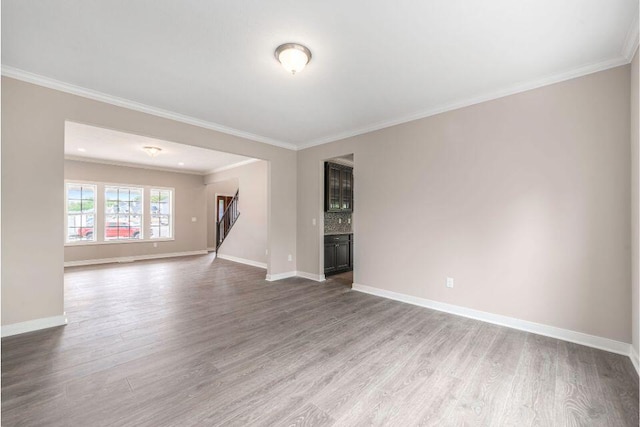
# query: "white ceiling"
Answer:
x=83 y=142
x=375 y=63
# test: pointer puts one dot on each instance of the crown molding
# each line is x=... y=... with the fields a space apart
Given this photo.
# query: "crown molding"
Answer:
x=26 y=76
x=512 y=90
x=629 y=48
x=630 y=44
x=131 y=165
x=232 y=166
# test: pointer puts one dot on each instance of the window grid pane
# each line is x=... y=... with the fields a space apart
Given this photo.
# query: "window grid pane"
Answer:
x=80 y=212
x=123 y=210
x=123 y=213
x=161 y=214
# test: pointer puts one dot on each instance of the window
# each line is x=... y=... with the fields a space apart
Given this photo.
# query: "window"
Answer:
x=161 y=214
x=126 y=214
x=123 y=213
x=81 y=203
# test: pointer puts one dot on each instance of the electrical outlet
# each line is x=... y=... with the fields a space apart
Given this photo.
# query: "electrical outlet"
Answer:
x=266 y=251
x=194 y=219
x=349 y=220
x=290 y=258
x=313 y=221
x=449 y=282
x=155 y=244
x=339 y=220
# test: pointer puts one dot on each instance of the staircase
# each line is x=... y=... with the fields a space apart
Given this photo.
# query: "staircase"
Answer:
x=224 y=225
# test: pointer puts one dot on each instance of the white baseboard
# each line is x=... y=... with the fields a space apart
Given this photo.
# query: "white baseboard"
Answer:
x=132 y=258
x=211 y=249
x=311 y=276
x=280 y=276
x=242 y=260
x=633 y=355
x=510 y=322
x=33 y=325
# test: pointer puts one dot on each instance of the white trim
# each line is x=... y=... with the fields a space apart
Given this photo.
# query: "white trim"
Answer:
x=633 y=355
x=33 y=325
x=234 y=165
x=311 y=276
x=631 y=40
x=132 y=165
x=83 y=243
x=242 y=260
x=132 y=258
x=26 y=76
x=280 y=276
x=501 y=93
x=342 y=162
x=510 y=322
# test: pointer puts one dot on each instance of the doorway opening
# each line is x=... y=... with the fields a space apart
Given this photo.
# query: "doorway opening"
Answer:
x=337 y=240
x=222 y=203
x=131 y=197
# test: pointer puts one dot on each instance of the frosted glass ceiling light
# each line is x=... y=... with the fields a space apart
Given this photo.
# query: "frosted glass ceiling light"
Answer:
x=152 y=151
x=293 y=57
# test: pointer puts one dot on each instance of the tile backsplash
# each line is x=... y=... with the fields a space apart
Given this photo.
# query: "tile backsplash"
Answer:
x=332 y=222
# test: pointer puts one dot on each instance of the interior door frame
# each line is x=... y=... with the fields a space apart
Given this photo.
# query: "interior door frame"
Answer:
x=321 y=212
x=216 y=214
x=215 y=202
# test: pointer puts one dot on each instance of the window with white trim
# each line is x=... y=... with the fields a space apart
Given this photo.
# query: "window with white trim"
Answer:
x=123 y=210
x=161 y=213
x=80 y=210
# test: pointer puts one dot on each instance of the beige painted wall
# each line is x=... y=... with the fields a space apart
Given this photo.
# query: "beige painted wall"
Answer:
x=32 y=183
x=523 y=200
x=189 y=201
x=248 y=238
x=635 y=200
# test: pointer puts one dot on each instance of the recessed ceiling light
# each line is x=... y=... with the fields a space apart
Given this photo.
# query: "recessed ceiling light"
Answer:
x=152 y=151
x=293 y=56
x=180 y=163
x=82 y=150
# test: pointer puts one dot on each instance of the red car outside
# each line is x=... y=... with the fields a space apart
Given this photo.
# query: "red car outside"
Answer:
x=113 y=230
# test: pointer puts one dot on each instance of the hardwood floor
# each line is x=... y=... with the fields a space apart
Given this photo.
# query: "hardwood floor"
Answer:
x=193 y=341
x=345 y=278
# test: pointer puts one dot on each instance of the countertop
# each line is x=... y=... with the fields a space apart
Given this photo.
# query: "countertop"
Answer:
x=337 y=233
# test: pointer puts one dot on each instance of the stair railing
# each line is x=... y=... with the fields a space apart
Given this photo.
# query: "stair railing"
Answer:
x=225 y=223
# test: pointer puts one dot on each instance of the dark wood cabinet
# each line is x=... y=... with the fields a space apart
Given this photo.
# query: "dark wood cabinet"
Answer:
x=338 y=188
x=329 y=258
x=338 y=253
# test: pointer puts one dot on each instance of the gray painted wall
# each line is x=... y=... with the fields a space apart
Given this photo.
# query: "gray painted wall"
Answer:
x=248 y=238
x=635 y=200
x=523 y=200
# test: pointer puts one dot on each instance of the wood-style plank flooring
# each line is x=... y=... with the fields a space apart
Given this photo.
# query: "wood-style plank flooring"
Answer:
x=193 y=341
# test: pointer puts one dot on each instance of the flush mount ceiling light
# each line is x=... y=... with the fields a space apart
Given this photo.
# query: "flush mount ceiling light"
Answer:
x=152 y=151
x=293 y=56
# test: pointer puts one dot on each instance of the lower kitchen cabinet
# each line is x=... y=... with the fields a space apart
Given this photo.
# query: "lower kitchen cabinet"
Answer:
x=338 y=253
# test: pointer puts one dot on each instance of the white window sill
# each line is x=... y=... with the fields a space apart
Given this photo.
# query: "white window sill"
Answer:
x=117 y=242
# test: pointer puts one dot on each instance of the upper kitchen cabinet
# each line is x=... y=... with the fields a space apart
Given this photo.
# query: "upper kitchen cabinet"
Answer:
x=338 y=188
